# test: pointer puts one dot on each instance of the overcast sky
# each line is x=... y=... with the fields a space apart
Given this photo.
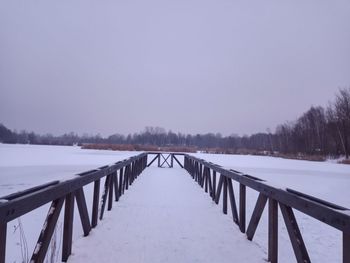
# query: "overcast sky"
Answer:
x=192 y=66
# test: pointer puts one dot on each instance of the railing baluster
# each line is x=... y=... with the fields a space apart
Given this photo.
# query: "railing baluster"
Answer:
x=294 y=234
x=242 y=207
x=3 y=232
x=47 y=231
x=257 y=212
x=273 y=231
x=95 y=203
x=68 y=227
x=110 y=192
x=83 y=211
x=232 y=201
x=346 y=248
x=224 y=197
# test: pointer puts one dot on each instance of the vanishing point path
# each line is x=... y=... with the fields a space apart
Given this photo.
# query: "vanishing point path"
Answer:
x=165 y=217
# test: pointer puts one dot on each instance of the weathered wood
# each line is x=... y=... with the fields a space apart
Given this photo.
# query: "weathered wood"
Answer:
x=155 y=158
x=47 y=231
x=242 y=207
x=116 y=187
x=257 y=212
x=158 y=159
x=178 y=161
x=27 y=202
x=95 y=203
x=104 y=197
x=326 y=212
x=127 y=177
x=210 y=183
x=68 y=227
x=206 y=179
x=224 y=197
x=3 y=232
x=83 y=211
x=218 y=192
x=110 y=192
x=121 y=182
x=214 y=185
x=232 y=201
x=273 y=231
x=294 y=234
x=346 y=248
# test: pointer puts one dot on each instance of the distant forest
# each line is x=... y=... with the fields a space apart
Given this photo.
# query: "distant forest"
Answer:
x=319 y=131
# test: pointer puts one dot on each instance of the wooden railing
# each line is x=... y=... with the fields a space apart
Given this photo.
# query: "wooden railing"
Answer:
x=207 y=174
x=215 y=180
x=118 y=177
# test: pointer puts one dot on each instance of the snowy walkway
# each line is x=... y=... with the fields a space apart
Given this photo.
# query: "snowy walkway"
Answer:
x=165 y=217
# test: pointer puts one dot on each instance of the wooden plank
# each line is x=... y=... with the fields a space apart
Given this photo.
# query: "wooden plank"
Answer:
x=178 y=162
x=206 y=179
x=95 y=203
x=116 y=187
x=321 y=210
x=218 y=192
x=121 y=182
x=155 y=158
x=224 y=197
x=3 y=232
x=47 y=231
x=19 y=206
x=68 y=227
x=210 y=183
x=257 y=212
x=232 y=201
x=110 y=192
x=127 y=177
x=242 y=207
x=294 y=234
x=104 y=197
x=273 y=231
x=214 y=185
x=83 y=211
x=346 y=247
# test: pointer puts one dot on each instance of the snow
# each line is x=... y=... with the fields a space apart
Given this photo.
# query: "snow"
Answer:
x=166 y=216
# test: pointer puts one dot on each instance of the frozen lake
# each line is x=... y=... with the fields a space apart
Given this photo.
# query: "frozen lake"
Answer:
x=23 y=166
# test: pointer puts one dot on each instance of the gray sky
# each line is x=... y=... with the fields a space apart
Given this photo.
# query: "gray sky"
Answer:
x=192 y=66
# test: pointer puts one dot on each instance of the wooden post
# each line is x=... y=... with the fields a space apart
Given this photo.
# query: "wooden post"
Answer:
x=121 y=182
x=346 y=247
x=47 y=231
x=294 y=234
x=242 y=207
x=214 y=185
x=224 y=196
x=232 y=201
x=95 y=203
x=256 y=216
x=273 y=231
x=83 y=212
x=68 y=227
x=110 y=192
x=3 y=232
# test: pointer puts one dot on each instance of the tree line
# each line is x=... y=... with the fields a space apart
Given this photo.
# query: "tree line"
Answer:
x=318 y=131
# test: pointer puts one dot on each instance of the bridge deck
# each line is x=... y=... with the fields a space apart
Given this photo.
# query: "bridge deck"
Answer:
x=165 y=217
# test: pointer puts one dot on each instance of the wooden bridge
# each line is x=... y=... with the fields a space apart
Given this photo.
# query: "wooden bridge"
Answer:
x=215 y=180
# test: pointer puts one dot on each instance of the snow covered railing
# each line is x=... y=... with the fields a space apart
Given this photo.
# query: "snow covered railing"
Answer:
x=117 y=178
x=205 y=173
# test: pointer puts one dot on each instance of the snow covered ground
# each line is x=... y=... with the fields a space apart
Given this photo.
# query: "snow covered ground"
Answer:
x=165 y=217
x=23 y=166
